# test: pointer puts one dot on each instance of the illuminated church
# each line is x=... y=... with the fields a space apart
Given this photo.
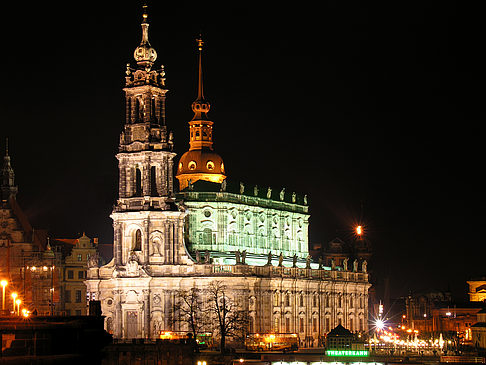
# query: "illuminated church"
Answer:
x=254 y=239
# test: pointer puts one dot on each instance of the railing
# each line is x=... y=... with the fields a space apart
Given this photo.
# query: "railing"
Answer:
x=243 y=270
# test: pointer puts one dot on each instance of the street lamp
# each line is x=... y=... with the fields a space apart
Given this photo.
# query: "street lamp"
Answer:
x=18 y=301
x=14 y=296
x=4 y=283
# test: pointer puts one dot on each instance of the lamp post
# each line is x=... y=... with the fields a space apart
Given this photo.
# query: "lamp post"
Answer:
x=4 y=283
x=18 y=301
x=14 y=296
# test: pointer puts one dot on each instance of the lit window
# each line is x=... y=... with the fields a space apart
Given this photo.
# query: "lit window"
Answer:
x=210 y=165
x=192 y=165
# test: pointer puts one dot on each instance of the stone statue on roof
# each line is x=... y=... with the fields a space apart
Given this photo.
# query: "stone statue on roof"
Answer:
x=305 y=199
x=242 y=188
x=93 y=260
x=308 y=262
x=364 y=266
x=282 y=194
x=294 y=197
x=243 y=257
x=207 y=257
x=255 y=190
x=280 y=259
x=223 y=185
x=345 y=264
x=269 y=259
x=294 y=260
x=238 y=256
x=269 y=193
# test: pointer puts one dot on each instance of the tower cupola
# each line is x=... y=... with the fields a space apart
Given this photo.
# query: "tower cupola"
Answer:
x=144 y=54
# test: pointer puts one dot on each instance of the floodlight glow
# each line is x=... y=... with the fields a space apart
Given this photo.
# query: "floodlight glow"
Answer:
x=379 y=324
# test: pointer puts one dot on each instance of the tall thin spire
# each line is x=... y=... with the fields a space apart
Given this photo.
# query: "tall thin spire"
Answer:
x=8 y=187
x=200 y=93
x=200 y=106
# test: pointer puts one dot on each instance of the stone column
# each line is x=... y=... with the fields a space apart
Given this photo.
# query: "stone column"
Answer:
x=146 y=248
x=118 y=243
x=118 y=324
x=167 y=258
x=146 y=178
x=146 y=315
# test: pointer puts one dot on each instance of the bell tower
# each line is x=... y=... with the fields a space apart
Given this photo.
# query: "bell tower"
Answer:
x=147 y=223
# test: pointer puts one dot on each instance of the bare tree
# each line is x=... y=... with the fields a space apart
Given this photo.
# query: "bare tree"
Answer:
x=230 y=318
x=189 y=309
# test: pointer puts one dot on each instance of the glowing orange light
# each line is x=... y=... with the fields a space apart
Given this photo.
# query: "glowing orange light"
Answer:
x=166 y=335
x=359 y=230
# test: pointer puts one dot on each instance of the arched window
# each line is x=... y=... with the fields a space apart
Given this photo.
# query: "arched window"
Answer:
x=153 y=181
x=138 y=182
x=287 y=300
x=137 y=240
x=207 y=236
x=301 y=300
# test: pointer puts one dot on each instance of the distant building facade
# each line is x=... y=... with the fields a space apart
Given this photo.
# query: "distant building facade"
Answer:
x=477 y=289
x=77 y=254
x=251 y=239
x=436 y=312
x=47 y=274
x=26 y=260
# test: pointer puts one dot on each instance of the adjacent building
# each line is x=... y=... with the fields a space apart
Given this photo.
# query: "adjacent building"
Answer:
x=46 y=274
x=251 y=239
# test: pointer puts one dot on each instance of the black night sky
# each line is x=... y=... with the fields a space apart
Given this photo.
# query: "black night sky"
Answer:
x=350 y=102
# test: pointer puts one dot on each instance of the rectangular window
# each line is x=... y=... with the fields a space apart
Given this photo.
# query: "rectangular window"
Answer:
x=314 y=324
x=80 y=274
x=67 y=296
x=70 y=274
x=287 y=325
x=351 y=325
x=78 y=296
x=80 y=257
x=301 y=324
x=328 y=325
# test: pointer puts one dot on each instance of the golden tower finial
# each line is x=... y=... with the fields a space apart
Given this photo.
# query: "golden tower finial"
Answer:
x=145 y=13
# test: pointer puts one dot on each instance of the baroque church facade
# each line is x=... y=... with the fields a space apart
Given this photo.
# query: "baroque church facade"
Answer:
x=252 y=239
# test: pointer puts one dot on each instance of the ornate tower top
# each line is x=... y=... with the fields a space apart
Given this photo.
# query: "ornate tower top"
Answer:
x=144 y=54
x=200 y=162
x=145 y=127
x=200 y=106
x=8 y=187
